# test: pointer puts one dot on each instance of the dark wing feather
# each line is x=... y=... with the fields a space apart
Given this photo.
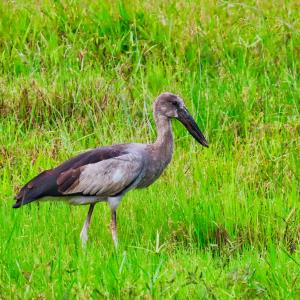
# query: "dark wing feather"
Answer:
x=45 y=184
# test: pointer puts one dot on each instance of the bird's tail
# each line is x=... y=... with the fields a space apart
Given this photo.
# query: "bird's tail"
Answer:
x=21 y=202
x=30 y=191
x=25 y=196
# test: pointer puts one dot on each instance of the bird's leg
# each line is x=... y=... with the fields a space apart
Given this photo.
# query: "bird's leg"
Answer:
x=113 y=226
x=84 y=234
x=113 y=203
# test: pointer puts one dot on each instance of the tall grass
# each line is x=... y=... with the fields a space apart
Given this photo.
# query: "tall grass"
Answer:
x=221 y=222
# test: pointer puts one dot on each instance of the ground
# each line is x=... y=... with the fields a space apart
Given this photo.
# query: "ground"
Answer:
x=222 y=222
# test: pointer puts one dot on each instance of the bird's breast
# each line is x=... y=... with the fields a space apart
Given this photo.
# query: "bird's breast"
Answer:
x=156 y=162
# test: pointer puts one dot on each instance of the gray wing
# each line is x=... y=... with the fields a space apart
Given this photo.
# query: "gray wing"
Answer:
x=105 y=178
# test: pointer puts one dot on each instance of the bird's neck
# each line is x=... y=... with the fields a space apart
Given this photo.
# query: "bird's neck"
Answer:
x=164 y=140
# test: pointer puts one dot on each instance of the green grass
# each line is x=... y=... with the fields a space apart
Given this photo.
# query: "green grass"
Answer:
x=221 y=223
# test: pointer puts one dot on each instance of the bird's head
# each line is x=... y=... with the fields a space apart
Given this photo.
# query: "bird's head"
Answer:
x=172 y=106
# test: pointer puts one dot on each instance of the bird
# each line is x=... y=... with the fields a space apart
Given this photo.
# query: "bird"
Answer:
x=107 y=173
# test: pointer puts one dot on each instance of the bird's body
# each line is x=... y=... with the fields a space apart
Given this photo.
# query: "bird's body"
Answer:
x=107 y=173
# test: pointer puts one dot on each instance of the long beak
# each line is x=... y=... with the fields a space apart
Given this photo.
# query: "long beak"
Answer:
x=187 y=120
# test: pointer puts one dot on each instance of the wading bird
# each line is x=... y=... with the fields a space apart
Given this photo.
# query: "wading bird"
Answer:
x=108 y=173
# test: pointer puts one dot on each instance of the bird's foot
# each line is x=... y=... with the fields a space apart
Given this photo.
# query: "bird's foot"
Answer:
x=84 y=238
x=115 y=242
x=114 y=234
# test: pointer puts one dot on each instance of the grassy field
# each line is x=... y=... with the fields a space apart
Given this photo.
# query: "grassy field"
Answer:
x=221 y=223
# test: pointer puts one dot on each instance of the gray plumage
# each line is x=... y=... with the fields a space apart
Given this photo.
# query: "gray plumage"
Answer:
x=107 y=173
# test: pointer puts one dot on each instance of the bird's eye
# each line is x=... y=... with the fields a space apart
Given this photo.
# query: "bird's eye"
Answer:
x=174 y=103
